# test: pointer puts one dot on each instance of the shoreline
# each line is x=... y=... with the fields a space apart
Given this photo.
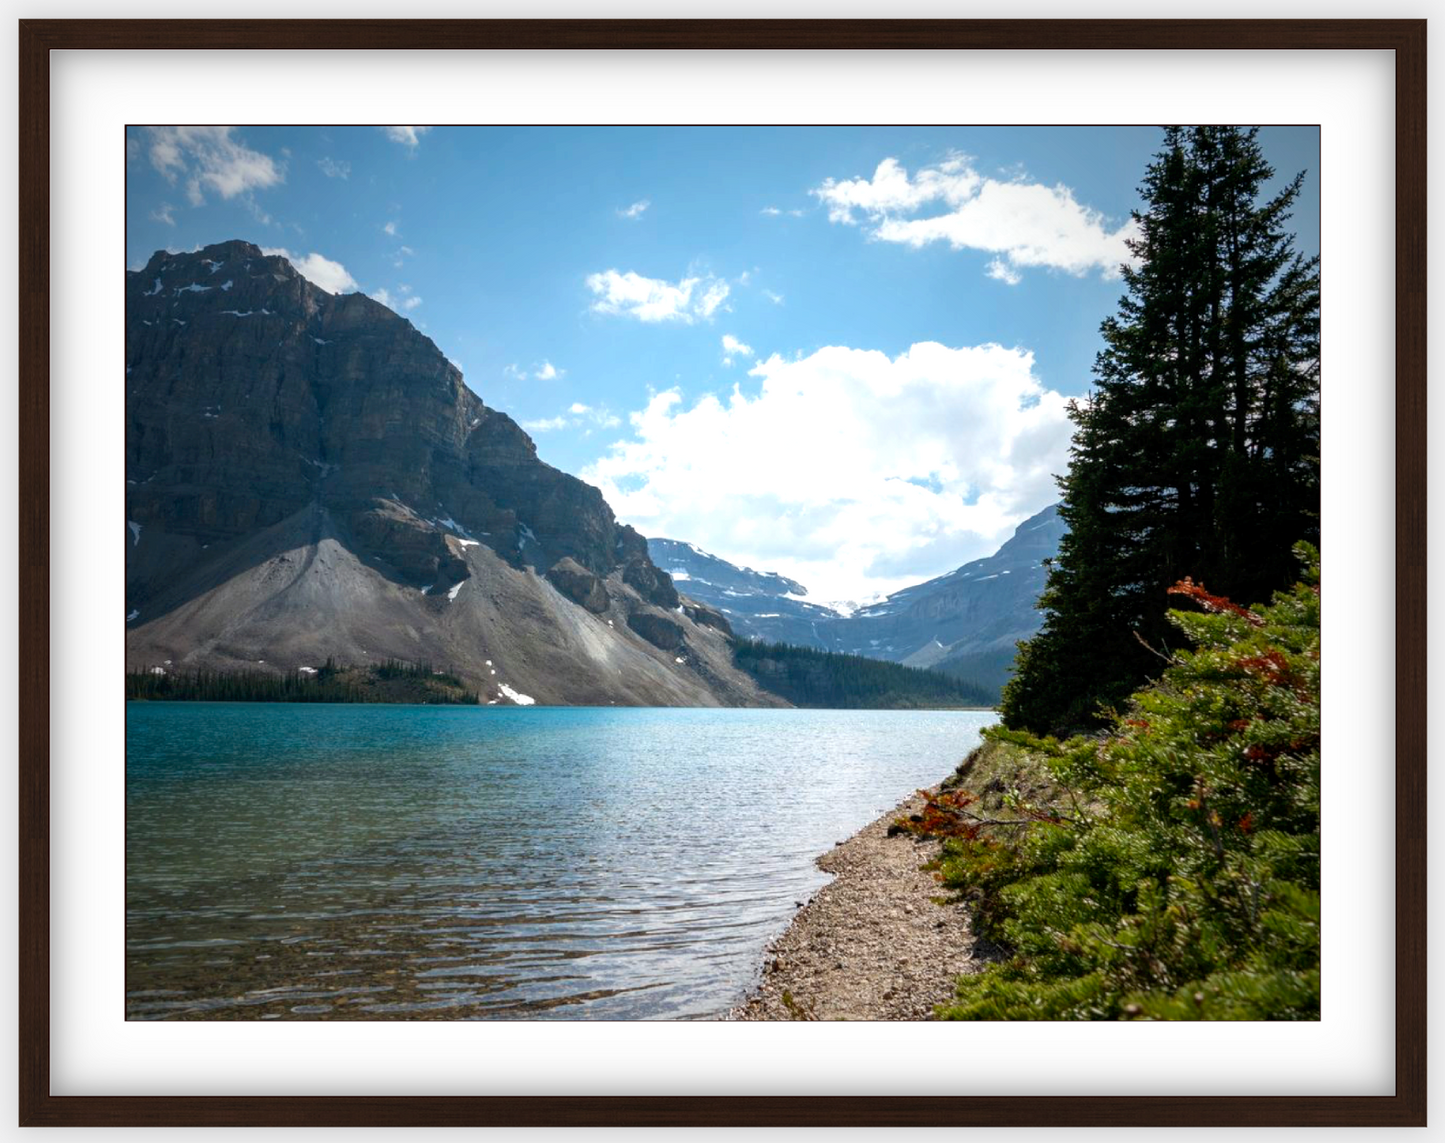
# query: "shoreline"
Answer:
x=872 y=944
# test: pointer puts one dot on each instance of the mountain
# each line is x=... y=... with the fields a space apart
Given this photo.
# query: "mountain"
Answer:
x=308 y=477
x=964 y=623
x=759 y=605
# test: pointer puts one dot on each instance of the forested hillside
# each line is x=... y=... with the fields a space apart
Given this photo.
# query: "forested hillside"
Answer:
x=392 y=681
x=811 y=678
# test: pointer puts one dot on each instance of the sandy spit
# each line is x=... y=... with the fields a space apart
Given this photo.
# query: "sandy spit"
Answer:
x=873 y=944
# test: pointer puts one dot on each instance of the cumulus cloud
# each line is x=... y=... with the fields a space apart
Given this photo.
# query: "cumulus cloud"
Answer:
x=547 y=372
x=654 y=299
x=210 y=159
x=577 y=415
x=864 y=472
x=319 y=270
x=732 y=347
x=163 y=213
x=774 y=297
x=334 y=168
x=1022 y=224
x=635 y=210
x=1001 y=271
x=408 y=137
x=390 y=229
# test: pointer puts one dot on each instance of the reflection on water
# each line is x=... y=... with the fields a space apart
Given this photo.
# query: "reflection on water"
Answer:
x=374 y=862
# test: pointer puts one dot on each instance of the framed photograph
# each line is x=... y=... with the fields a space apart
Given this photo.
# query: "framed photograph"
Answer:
x=740 y=546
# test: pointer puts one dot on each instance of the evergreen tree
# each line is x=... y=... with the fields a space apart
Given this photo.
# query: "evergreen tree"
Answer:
x=1196 y=453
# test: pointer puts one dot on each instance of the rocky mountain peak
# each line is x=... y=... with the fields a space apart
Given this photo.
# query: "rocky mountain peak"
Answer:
x=256 y=399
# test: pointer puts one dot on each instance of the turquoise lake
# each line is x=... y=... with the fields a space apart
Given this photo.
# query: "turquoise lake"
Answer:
x=422 y=862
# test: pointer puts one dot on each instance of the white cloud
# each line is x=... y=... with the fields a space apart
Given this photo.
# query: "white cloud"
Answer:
x=732 y=347
x=395 y=302
x=635 y=210
x=390 y=228
x=653 y=299
x=406 y=136
x=577 y=415
x=713 y=296
x=402 y=254
x=1001 y=271
x=548 y=372
x=320 y=271
x=774 y=297
x=163 y=213
x=334 y=168
x=210 y=159
x=774 y=212
x=1023 y=224
x=864 y=473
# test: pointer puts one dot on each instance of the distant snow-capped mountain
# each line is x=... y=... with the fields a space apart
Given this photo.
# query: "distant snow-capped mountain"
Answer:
x=965 y=623
x=759 y=605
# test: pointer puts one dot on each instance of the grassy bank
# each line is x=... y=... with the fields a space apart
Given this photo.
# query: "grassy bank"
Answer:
x=393 y=681
x=1167 y=867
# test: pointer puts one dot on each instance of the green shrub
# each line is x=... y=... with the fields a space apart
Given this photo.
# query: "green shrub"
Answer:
x=1176 y=876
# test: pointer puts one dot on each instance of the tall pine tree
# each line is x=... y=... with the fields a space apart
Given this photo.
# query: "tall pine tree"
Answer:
x=1196 y=453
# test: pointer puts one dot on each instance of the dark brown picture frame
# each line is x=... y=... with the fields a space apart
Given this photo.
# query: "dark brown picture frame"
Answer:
x=1405 y=38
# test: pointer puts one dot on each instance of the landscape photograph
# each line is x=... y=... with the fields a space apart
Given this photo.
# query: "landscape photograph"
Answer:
x=722 y=573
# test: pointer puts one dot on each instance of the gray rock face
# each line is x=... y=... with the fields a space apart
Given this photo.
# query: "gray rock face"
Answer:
x=653 y=585
x=307 y=474
x=706 y=616
x=658 y=630
x=579 y=585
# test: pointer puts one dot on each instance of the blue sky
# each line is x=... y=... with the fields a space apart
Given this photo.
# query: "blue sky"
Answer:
x=905 y=309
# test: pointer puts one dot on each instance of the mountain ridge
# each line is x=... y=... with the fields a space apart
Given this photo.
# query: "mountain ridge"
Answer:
x=965 y=622
x=309 y=477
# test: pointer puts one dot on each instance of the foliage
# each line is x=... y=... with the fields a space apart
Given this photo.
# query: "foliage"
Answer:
x=1196 y=451
x=809 y=677
x=400 y=669
x=989 y=669
x=1177 y=874
x=392 y=681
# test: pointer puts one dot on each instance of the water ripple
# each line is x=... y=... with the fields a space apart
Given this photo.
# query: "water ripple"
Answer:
x=355 y=862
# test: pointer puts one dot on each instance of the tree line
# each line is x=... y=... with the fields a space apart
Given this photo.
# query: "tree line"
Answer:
x=1196 y=453
x=809 y=677
x=332 y=682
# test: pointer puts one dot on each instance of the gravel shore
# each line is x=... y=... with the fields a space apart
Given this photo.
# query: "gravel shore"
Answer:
x=873 y=944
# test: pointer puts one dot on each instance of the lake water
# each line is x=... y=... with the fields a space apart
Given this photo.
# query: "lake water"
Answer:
x=415 y=862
